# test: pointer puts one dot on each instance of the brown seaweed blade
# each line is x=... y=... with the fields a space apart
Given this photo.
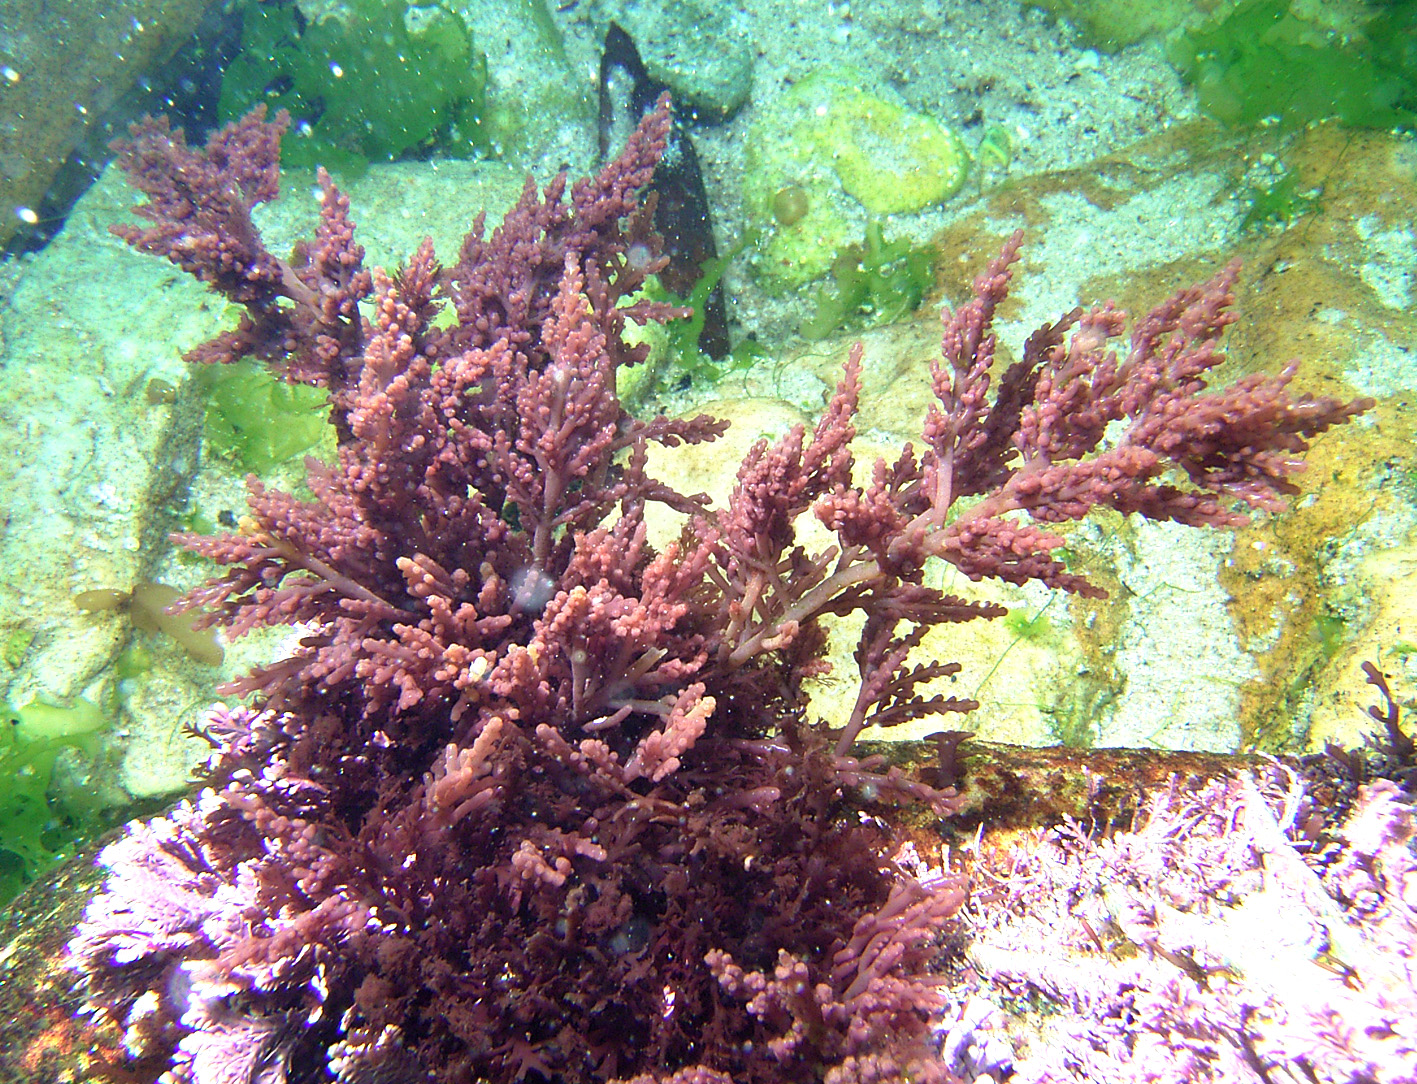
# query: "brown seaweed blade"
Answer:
x=681 y=212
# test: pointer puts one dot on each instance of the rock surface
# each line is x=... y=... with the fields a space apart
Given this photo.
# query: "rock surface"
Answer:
x=61 y=67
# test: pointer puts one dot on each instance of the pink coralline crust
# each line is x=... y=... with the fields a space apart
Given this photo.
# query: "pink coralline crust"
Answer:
x=533 y=800
x=195 y=927
x=1212 y=942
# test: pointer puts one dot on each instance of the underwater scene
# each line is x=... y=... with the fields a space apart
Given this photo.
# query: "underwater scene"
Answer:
x=708 y=541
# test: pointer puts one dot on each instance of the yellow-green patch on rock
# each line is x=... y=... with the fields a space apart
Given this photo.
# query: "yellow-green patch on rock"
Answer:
x=889 y=159
x=853 y=154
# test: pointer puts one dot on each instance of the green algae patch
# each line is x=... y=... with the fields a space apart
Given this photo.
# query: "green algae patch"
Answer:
x=846 y=154
x=260 y=422
x=1301 y=64
x=38 y=721
x=872 y=283
x=380 y=81
x=38 y=826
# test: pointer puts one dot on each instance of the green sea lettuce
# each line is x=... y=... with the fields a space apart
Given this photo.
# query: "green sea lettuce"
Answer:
x=382 y=80
x=1266 y=58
